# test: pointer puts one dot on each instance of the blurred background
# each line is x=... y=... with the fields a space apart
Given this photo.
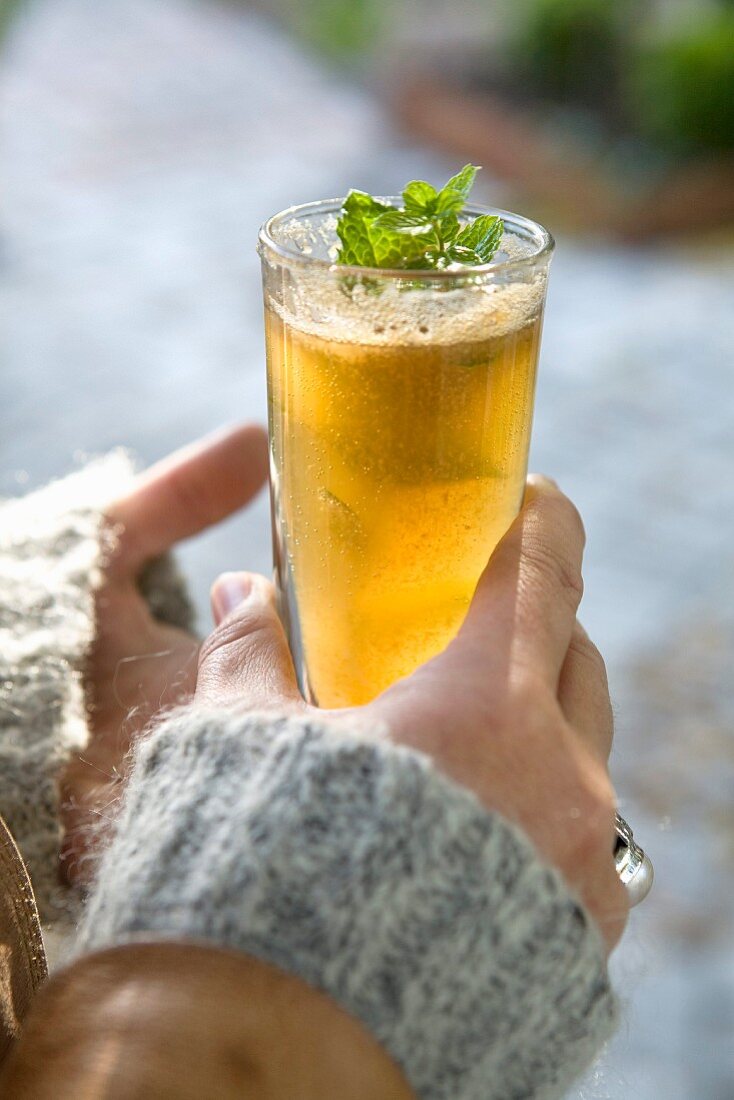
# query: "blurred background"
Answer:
x=142 y=144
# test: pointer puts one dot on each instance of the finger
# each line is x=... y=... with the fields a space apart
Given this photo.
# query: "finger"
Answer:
x=583 y=692
x=246 y=659
x=189 y=491
x=523 y=612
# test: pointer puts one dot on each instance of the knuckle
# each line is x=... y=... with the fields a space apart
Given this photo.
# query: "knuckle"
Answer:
x=583 y=648
x=257 y=659
x=558 y=511
x=231 y=639
x=574 y=520
x=553 y=570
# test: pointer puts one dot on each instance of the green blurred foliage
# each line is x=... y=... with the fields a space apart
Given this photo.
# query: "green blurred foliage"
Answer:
x=680 y=91
x=340 y=29
x=667 y=81
x=7 y=10
x=571 y=50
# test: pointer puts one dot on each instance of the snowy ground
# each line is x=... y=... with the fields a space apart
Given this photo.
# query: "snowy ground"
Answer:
x=142 y=145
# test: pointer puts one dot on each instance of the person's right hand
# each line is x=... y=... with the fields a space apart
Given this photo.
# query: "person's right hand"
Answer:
x=516 y=708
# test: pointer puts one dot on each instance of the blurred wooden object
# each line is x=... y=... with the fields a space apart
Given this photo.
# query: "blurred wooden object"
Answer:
x=22 y=958
x=550 y=168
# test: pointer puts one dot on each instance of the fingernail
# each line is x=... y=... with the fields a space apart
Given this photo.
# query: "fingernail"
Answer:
x=229 y=591
x=540 y=481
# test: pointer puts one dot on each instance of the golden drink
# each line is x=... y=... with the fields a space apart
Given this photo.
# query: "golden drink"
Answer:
x=399 y=426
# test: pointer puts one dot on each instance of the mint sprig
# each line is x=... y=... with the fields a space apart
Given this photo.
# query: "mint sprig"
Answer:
x=366 y=242
x=425 y=233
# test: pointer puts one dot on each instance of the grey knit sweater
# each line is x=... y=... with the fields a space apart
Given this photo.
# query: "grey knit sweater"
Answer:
x=357 y=866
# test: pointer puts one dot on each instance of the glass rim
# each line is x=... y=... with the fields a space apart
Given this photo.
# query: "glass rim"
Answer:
x=537 y=232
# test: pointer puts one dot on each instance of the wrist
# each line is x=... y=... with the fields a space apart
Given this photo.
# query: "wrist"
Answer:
x=358 y=868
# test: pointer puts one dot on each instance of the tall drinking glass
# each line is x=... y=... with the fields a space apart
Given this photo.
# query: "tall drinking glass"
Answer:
x=400 y=408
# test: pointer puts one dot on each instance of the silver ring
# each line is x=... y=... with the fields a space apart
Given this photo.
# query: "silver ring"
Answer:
x=634 y=868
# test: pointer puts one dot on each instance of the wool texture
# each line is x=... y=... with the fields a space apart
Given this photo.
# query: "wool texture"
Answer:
x=51 y=553
x=362 y=869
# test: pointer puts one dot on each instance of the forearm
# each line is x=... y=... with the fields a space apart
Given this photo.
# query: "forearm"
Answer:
x=360 y=869
x=186 y=1021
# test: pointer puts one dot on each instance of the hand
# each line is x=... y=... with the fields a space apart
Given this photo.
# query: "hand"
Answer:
x=138 y=665
x=516 y=708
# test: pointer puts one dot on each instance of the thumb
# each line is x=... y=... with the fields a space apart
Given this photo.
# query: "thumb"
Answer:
x=246 y=660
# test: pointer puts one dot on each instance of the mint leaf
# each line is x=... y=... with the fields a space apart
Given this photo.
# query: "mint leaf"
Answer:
x=404 y=219
x=365 y=242
x=452 y=198
x=448 y=226
x=395 y=249
x=463 y=181
x=461 y=254
x=425 y=234
x=420 y=196
x=483 y=235
x=353 y=229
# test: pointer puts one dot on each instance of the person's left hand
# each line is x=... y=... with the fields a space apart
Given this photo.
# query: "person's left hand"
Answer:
x=138 y=665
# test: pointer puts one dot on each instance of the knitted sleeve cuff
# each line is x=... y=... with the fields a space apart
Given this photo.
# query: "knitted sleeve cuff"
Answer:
x=51 y=554
x=363 y=870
